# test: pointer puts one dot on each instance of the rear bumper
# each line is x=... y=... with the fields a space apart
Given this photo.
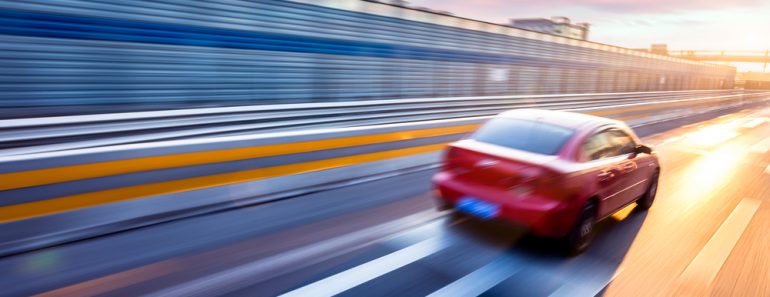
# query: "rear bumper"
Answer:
x=542 y=215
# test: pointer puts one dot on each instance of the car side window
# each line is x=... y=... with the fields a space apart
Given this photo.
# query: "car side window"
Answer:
x=622 y=143
x=597 y=147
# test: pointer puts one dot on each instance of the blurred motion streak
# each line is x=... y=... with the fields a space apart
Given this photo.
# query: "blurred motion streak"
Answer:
x=711 y=136
x=96 y=57
x=104 y=285
x=697 y=279
x=249 y=148
x=100 y=169
x=68 y=203
x=709 y=173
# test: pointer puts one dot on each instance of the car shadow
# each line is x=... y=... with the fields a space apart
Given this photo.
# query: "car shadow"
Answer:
x=594 y=268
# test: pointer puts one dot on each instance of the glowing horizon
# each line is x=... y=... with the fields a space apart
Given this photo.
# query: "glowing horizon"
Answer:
x=682 y=25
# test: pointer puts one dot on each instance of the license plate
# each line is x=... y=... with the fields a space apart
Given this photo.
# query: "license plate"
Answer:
x=475 y=207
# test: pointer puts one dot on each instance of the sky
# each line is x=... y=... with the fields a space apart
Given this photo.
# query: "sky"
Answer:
x=682 y=24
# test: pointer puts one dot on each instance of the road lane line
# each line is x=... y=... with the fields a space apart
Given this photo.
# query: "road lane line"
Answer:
x=699 y=275
x=671 y=139
x=589 y=284
x=712 y=135
x=698 y=152
x=482 y=279
x=754 y=123
x=360 y=274
x=767 y=169
x=761 y=147
x=238 y=277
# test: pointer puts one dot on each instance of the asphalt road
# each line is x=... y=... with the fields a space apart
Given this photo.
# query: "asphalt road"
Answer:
x=706 y=235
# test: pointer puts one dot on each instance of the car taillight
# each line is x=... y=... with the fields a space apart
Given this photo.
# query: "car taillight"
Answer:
x=452 y=159
x=532 y=180
x=521 y=190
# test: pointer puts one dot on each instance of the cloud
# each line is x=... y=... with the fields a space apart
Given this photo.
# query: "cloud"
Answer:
x=683 y=24
x=616 y=6
x=654 y=6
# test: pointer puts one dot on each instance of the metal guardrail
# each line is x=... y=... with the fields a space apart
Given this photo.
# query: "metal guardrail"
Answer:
x=54 y=197
x=35 y=135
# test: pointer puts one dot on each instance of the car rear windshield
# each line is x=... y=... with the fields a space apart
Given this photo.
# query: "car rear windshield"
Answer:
x=531 y=136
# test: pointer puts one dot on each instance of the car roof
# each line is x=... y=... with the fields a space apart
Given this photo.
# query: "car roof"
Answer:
x=572 y=120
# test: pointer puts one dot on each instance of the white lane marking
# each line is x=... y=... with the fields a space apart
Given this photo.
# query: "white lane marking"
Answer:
x=360 y=274
x=754 y=123
x=482 y=279
x=698 y=152
x=761 y=147
x=671 y=139
x=240 y=276
x=589 y=284
x=767 y=169
x=705 y=266
x=712 y=135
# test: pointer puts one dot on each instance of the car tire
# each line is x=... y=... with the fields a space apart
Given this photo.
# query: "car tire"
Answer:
x=457 y=215
x=582 y=233
x=442 y=205
x=645 y=202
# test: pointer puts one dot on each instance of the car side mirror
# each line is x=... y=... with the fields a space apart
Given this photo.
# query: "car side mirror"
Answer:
x=643 y=149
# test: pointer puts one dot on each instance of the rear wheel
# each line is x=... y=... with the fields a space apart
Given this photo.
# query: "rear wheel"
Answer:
x=645 y=202
x=582 y=233
x=442 y=205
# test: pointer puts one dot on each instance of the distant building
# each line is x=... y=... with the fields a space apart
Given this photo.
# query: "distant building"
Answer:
x=555 y=25
x=753 y=80
x=659 y=49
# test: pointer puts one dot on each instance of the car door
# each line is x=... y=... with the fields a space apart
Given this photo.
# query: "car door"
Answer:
x=633 y=169
x=600 y=153
x=630 y=178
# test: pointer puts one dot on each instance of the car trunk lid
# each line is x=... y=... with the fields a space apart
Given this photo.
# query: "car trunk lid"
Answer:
x=491 y=165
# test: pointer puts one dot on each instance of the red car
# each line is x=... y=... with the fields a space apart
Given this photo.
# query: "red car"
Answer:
x=557 y=173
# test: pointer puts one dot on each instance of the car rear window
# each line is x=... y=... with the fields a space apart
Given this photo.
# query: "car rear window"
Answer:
x=531 y=136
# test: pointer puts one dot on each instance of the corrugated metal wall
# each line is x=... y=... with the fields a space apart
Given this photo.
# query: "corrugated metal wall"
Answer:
x=70 y=52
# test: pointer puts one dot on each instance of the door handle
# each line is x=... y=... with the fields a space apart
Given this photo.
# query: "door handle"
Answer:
x=605 y=175
x=628 y=167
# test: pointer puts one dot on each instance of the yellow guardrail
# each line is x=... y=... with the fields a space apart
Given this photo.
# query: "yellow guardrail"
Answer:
x=62 y=204
x=39 y=177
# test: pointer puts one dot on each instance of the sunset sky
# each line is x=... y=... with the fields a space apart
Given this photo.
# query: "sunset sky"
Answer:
x=682 y=24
